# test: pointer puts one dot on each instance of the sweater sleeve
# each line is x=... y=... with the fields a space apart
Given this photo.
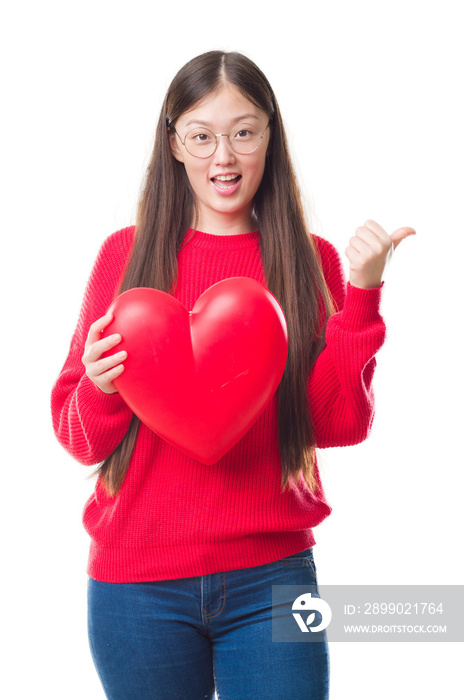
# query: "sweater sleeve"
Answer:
x=340 y=390
x=88 y=423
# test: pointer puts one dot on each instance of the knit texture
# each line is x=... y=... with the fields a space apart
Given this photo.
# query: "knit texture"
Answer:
x=176 y=517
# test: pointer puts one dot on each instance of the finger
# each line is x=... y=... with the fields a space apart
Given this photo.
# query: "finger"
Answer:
x=97 y=327
x=104 y=382
x=400 y=234
x=113 y=373
x=373 y=241
x=362 y=246
x=108 y=363
x=354 y=256
x=377 y=230
x=96 y=349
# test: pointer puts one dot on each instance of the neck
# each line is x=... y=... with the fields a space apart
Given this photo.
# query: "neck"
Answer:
x=222 y=224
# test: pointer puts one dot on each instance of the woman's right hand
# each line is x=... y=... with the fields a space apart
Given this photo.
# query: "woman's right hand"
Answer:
x=102 y=371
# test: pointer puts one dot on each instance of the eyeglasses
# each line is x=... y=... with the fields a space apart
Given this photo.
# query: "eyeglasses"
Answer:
x=243 y=139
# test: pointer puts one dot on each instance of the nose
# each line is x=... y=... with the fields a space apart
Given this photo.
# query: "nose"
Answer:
x=224 y=153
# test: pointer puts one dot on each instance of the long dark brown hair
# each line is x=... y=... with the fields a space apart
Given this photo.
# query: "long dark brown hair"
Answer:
x=290 y=257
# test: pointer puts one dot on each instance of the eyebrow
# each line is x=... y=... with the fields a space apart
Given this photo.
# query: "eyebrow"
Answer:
x=239 y=119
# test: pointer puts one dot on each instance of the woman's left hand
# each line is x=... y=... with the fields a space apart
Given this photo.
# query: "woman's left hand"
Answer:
x=370 y=250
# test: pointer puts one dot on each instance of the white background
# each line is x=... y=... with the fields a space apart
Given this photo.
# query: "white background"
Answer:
x=371 y=94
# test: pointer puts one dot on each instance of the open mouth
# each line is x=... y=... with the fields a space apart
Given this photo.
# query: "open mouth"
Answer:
x=226 y=182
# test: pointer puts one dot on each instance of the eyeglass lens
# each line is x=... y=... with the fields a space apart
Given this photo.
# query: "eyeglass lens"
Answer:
x=201 y=142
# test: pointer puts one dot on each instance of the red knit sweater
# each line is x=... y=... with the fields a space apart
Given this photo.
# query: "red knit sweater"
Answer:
x=174 y=516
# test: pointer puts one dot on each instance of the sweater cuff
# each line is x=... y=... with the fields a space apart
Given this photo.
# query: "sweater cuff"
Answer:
x=92 y=396
x=362 y=306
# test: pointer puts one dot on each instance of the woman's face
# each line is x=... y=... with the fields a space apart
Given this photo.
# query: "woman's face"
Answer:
x=223 y=205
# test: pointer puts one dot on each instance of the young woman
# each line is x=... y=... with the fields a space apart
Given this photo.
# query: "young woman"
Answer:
x=183 y=555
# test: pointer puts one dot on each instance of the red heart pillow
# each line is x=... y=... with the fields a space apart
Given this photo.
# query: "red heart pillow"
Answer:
x=200 y=378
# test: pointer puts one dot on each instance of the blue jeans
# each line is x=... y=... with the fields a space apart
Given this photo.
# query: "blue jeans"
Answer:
x=184 y=639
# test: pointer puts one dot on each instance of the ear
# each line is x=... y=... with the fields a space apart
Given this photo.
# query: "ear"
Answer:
x=174 y=145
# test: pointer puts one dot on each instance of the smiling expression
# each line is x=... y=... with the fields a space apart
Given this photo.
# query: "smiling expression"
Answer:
x=225 y=183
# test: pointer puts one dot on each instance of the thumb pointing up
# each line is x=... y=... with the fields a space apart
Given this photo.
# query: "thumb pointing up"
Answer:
x=370 y=250
x=401 y=233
